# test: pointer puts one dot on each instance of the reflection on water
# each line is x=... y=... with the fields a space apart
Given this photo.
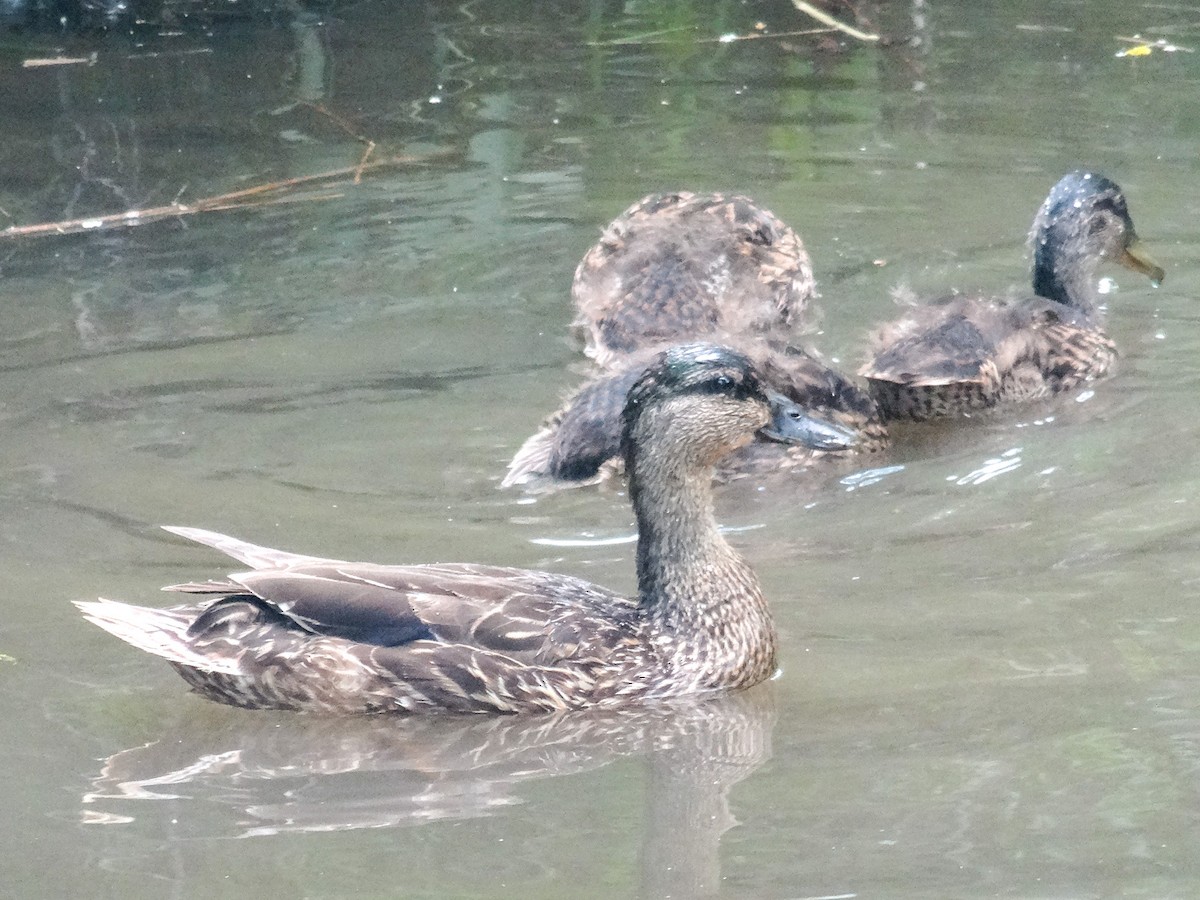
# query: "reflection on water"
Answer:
x=1008 y=461
x=270 y=775
x=989 y=687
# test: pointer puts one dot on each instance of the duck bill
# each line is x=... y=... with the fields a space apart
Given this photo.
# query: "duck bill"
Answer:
x=792 y=424
x=1135 y=257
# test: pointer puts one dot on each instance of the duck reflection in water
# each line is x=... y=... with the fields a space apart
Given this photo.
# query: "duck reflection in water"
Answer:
x=271 y=774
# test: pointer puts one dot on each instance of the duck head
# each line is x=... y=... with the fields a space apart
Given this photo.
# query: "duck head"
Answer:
x=1084 y=219
x=700 y=401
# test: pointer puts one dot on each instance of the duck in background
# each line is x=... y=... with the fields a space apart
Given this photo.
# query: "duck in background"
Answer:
x=580 y=443
x=682 y=267
x=967 y=352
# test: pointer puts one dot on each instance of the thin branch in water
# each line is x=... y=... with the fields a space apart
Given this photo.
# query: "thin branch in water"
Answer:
x=640 y=39
x=341 y=123
x=338 y=120
x=370 y=148
x=825 y=19
x=89 y=60
x=158 y=54
x=271 y=193
x=730 y=38
x=651 y=37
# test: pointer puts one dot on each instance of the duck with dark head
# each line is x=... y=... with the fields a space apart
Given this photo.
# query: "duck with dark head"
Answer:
x=310 y=633
x=967 y=352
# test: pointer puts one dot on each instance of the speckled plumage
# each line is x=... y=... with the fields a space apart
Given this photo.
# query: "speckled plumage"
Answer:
x=686 y=267
x=967 y=353
x=683 y=267
x=301 y=632
x=580 y=442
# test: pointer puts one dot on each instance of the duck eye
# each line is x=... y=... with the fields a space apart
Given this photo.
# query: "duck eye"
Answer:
x=1098 y=225
x=717 y=384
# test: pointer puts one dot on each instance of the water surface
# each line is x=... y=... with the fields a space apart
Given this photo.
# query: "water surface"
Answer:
x=991 y=653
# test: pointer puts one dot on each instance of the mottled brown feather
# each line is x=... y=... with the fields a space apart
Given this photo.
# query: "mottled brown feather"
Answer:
x=310 y=633
x=685 y=266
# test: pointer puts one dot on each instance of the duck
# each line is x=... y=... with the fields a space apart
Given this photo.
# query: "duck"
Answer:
x=685 y=266
x=323 y=635
x=679 y=267
x=966 y=353
x=580 y=442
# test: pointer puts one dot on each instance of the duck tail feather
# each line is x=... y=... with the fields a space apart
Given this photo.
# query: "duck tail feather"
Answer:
x=162 y=632
x=532 y=461
x=253 y=555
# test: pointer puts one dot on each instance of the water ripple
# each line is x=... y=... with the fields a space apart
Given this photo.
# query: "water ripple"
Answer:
x=868 y=477
x=1008 y=461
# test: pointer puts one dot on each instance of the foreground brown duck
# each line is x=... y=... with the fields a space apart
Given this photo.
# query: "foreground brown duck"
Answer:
x=683 y=267
x=968 y=353
x=302 y=632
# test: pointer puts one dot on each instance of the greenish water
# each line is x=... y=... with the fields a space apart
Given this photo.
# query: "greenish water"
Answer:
x=991 y=645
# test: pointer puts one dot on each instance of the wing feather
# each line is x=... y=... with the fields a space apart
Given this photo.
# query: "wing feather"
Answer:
x=961 y=340
x=527 y=615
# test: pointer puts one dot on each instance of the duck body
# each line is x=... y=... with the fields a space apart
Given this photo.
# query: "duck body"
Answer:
x=332 y=636
x=968 y=353
x=681 y=267
x=580 y=443
x=324 y=635
x=964 y=354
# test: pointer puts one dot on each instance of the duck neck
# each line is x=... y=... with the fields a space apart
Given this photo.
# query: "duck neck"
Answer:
x=677 y=530
x=699 y=595
x=1064 y=274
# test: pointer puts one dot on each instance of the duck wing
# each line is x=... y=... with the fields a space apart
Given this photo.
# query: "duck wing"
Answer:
x=960 y=340
x=535 y=617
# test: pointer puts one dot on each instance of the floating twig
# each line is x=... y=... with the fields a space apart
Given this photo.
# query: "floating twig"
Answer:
x=337 y=119
x=764 y=35
x=649 y=38
x=269 y=194
x=89 y=60
x=341 y=123
x=162 y=54
x=825 y=19
x=637 y=40
x=362 y=163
